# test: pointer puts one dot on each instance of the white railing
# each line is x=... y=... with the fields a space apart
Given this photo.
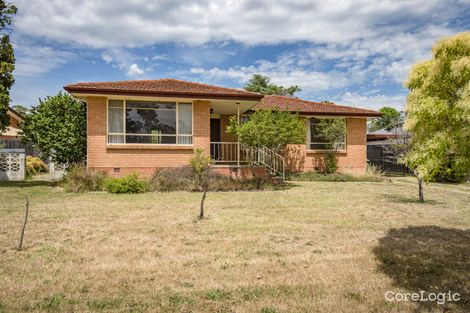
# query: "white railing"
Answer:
x=234 y=153
x=226 y=152
x=274 y=162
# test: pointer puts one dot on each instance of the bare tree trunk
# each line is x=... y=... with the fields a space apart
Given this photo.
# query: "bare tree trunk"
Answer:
x=20 y=242
x=420 y=190
x=201 y=214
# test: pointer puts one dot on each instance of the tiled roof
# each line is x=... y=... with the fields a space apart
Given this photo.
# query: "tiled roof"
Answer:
x=162 y=87
x=15 y=114
x=274 y=102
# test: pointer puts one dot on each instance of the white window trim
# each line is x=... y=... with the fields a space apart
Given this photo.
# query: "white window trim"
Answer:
x=324 y=150
x=124 y=134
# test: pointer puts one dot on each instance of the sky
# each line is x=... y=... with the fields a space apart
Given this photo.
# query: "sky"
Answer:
x=355 y=53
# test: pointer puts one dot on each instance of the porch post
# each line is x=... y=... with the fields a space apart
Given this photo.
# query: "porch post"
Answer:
x=238 y=141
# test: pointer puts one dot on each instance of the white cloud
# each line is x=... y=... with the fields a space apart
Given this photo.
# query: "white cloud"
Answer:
x=135 y=70
x=33 y=60
x=342 y=44
x=372 y=101
x=124 y=60
x=107 y=24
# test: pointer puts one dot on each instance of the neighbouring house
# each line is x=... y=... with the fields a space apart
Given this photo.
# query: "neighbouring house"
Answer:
x=9 y=137
x=383 y=136
x=138 y=126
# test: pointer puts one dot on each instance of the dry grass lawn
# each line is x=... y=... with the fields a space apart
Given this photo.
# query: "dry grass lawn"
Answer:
x=314 y=247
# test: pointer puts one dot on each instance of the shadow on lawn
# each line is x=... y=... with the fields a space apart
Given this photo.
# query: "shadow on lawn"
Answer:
x=406 y=199
x=428 y=258
x=28 y=183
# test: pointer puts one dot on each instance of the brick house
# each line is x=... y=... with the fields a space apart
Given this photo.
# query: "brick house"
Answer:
x=12 y=130
x=138 y=126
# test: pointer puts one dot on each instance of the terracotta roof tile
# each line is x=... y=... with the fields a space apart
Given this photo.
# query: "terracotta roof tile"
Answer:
x=274 y=102
x=162 y=87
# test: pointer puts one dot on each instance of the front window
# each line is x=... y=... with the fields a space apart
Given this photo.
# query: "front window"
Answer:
x=317 y=142
x=149 y=122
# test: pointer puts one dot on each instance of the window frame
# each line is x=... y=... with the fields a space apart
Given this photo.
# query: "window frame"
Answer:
x=309 y=149
x=124 y=134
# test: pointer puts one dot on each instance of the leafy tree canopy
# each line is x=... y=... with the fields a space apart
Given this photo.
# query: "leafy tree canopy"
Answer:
x=57 y=126
x=7 y=61
x=262 y=84
x=390 y=119
x=271 y=129
x=438 y=110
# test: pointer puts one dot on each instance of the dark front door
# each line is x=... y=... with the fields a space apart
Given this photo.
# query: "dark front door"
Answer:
x=215 y=137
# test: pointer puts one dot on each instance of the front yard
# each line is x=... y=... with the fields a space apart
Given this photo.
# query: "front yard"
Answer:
x=313 y=247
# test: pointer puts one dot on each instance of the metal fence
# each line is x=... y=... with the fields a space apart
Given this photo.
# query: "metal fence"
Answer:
x=377 y=156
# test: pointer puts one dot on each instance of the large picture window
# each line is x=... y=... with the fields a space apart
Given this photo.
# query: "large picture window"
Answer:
x=316 y=142
x=149 y=122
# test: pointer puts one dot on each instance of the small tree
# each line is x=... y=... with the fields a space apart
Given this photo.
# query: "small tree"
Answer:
x=333 y=131
x=438 y=111
x=57 y=127
x=267 y=129
x=270 y=129
x=398 y=151
x=200 y=165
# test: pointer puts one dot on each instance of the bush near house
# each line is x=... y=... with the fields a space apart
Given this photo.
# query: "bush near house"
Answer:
x=79 y=179
x=127 y=184
x=182 y=179
x=35 y=166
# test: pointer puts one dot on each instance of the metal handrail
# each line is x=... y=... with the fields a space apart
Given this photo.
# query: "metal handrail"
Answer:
x=233 y=152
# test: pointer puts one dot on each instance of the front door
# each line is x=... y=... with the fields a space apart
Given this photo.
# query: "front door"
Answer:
x=215 y=137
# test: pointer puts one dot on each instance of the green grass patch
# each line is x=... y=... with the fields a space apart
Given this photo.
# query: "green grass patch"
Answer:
x=217 y=294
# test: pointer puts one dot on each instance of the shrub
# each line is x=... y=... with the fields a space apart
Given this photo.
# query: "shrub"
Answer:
x=182 y=179
x=173 y=179
x=331 y=162
x=79 y=179
x=35 y=166
x=127 y=184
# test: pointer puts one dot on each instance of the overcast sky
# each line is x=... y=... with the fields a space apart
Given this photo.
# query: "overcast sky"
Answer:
x=351 y=52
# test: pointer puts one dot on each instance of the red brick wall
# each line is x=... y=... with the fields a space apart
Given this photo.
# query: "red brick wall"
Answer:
x=353 y=159
x=144 y=159
x=140 y=158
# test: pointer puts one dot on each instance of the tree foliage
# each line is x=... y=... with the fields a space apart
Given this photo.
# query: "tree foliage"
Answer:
x=21 y=109
x=57 y=127
x=390 y=119
x=332 y=130
x=7 y=61
x=438 y=111
x=271 y=129
x=262 y=84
